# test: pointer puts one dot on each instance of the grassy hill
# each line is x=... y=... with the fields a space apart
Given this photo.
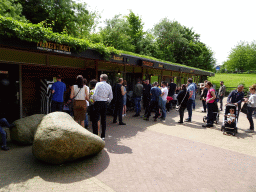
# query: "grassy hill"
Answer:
x=233 y=80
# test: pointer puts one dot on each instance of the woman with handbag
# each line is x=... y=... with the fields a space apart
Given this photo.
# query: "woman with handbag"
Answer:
x=211 y=106
x=182 y=101
x=251 y=106
x=79 y=95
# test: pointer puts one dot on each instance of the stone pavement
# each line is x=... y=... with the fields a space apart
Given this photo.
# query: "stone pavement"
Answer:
x=145 y=156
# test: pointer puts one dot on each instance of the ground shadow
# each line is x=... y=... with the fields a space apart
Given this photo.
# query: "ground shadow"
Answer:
x=19 y=165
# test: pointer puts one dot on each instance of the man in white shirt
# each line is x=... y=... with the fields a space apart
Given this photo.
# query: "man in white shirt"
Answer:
x=102 y=94
x=164 y=99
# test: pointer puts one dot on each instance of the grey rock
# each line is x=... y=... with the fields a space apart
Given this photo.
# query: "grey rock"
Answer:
x=60 y=139
x=25 y=129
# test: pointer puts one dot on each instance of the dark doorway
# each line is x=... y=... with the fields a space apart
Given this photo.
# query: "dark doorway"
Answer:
x=9 y=97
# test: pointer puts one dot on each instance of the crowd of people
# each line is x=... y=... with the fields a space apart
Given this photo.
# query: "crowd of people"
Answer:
x=156 y=98
x=79 y=99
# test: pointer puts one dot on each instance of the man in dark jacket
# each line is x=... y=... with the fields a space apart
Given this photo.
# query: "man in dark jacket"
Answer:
x=236 y=97
x=137 y=93
x=146 y=96
x=118 y=94
x=155 y=92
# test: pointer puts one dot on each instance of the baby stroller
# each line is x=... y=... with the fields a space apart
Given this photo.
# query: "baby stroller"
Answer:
x=228 y=126
x=216 y=114
x=174 y=101
x=130 y=101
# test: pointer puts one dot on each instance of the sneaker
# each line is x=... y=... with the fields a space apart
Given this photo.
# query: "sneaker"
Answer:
x=103 y=138
x=114 y=121
x=136 y=115
x=5 y=148
x=180 y=122
x=146 y=119
x=188 y=120
x=122 y=123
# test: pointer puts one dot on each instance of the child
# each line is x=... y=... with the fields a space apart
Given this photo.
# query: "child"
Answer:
x=231 y=116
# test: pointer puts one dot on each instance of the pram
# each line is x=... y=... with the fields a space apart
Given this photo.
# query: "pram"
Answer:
x=216 y=115
x=130 y=101
x=227 y=127
x=174 y=101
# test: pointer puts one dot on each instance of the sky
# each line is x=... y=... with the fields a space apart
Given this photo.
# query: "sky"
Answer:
x=222 y=24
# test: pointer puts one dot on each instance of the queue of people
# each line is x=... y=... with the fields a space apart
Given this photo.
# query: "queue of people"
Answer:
x=78 y=98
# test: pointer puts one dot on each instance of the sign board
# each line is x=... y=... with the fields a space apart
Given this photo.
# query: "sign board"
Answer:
x=53 y=47
x=217 y=68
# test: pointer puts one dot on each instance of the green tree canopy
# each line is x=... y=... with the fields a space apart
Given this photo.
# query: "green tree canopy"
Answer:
x=11 y=8
x=242 y=57
x=116 y=34
x=180 y=44
x=61 y=15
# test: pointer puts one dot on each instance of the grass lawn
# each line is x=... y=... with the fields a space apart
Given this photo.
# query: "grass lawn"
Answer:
x=233 y=80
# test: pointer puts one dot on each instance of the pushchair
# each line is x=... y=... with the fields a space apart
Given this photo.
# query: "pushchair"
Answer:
x=230 y=128
x=130 y=101
x=216 y=115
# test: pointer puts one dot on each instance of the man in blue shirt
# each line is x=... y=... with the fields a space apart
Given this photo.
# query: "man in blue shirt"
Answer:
x=236 y=97
x=192 y=95
x=58 y=90
x=155 y=92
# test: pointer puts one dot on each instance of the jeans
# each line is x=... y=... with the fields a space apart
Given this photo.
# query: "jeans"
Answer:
x=86 y=121
x=204 y=104
x=249 y=116
x=56 y=106
x=221 y=103
x=163 y=109
x=210 y=114
x=3 y=123
x=189 y=108
x=154 y=105
x=194 y=104
x=100 y=108
x=137 y=101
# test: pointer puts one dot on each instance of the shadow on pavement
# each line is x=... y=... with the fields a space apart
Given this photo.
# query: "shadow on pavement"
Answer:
x=19 y=165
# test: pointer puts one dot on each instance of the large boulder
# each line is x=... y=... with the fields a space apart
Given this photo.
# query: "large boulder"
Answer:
x=59 y=139
x=25 y=129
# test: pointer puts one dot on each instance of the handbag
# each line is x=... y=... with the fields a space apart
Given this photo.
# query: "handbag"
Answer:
x=244 y=108
x=178 y=106
x=66 y=105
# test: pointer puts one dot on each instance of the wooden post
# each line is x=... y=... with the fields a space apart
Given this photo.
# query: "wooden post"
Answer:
x=96 y=70
x=47 y=60
x=20 y=90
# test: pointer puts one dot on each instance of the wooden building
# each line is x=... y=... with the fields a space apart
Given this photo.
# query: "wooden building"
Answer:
x=27 y=68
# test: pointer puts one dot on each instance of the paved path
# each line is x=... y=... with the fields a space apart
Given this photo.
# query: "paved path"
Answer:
x=145 y=156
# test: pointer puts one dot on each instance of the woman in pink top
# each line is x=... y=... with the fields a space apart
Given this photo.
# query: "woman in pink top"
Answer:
x=210 y=98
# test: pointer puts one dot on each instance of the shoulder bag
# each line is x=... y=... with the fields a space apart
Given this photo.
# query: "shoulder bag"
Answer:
x=244 y=108
x=178 y=106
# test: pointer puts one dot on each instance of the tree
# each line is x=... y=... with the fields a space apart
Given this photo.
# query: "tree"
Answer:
x=148 y=45
x=116 y=34
x=242 y=57
x=11 y=8
x=61 y=15
x=180 y=44
x=135 y=30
